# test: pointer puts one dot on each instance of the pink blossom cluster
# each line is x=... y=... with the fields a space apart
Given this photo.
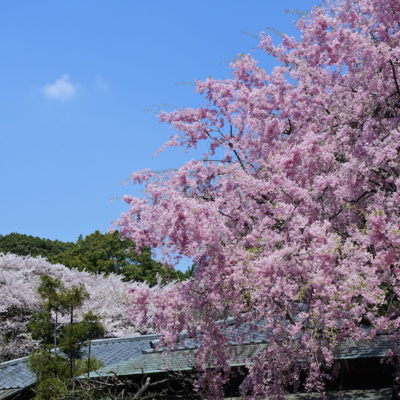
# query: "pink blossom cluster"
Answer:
x=292 y=216
x=19 y=280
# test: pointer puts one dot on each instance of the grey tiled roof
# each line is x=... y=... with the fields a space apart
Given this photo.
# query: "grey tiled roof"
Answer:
x=377 y=347
x=177 y=360
x=182 y=359
x=236 y=333
x=15 y=374
x=134 y=355
x=110 y=351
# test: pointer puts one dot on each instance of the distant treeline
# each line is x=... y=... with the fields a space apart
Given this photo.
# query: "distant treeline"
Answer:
x=97 y=253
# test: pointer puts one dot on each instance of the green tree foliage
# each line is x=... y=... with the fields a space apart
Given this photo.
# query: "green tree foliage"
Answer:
x=108 y=253
x=97 y=253
x=60 y=356
x=51 y=389
x=42 y=327
x=25 y=245
x=48 y=364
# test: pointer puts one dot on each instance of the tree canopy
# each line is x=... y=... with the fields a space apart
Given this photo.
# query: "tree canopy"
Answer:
x=99 y=253
x=27 y=245
x=108 y=253
x=292 y=214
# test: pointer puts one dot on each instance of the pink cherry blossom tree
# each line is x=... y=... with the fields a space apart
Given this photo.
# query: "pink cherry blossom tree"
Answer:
x=19 y=281
x=292 y=215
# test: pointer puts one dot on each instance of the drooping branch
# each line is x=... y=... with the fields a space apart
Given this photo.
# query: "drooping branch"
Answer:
x=395 y=77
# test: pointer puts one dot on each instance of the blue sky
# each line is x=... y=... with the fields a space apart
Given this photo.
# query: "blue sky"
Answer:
x=81 y=83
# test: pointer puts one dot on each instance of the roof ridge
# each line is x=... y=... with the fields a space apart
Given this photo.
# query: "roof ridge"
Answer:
x=14 y=361
x=124 y=339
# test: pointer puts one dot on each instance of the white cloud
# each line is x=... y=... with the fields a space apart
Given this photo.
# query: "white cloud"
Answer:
x=61 y=89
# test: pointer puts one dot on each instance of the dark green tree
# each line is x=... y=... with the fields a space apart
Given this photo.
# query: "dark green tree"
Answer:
x=55 y=367
x=92 y=328
x=97 y=253
x=25 y=245
x=108 y=253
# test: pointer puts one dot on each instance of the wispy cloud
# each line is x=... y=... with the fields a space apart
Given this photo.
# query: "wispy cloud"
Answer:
x=100 y=83
x=61 y=89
